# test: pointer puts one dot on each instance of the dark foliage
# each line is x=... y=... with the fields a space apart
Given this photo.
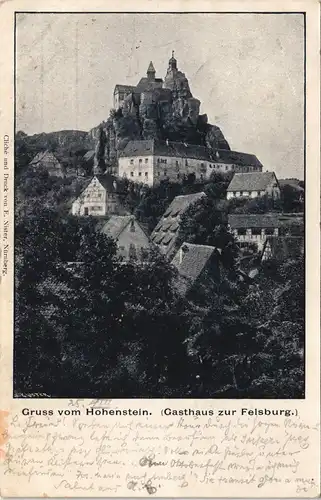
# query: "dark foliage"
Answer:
x=88 y=325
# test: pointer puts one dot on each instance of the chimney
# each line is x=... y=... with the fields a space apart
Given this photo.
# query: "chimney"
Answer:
x=182 y=251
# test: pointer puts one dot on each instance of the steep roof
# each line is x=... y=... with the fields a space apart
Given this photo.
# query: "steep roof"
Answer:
x=269 y=220
x=190 y=261
x=281 y=248
x=184 y=150
x=237 y=158
x=165 y=233
x=124 y=88
x=251 y=181
x=41 y=156
x=111 y=183
x=162 y=148
x=116 y=225
x=146 y=84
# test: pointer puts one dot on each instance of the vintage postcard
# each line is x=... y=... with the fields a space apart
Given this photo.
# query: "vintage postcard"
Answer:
x=160 y=249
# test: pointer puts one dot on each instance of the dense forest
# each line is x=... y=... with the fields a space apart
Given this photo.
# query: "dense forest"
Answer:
x=88 y=323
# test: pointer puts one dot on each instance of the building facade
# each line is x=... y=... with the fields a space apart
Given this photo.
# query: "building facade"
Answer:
x=150 y=82
x=251 y=230
x=132 y=241
x=48 y=161
x=253 y=185
x=152 y=161
x=101 y=197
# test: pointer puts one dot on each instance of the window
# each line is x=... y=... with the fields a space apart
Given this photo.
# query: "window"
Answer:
x=132 y=174
x=241 y=232
x=132 y=226
x=146 y=174
x=178 y=176
x=158 y=174
x=226 y=167
x=132 y=162
x=165 y=171
x=177 y=164
x=158 y=160
x=146 y=160
x=140 y=160
x=202 y=164
x=132 y=251
x=202 y=177
x=269 y=230
x=186 y=163
x=241 y=193
x=86 y=211
x=139 y=174
x=256 y=231
x=99 y=195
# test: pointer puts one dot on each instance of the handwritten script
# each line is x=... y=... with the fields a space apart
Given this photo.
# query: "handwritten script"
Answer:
x=77 y=455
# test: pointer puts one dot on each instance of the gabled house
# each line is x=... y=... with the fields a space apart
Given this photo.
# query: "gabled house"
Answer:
x=195 y=264
x=132 y=241
x=165 y=234
x=48 y=161
x=253 y=184
x=102 y=196
x=282 y=248
x=251 y=230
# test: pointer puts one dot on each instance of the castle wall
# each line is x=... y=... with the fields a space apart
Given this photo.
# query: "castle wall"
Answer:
x=137 y=169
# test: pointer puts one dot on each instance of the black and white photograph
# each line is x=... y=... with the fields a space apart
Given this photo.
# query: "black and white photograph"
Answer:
x=159 y=205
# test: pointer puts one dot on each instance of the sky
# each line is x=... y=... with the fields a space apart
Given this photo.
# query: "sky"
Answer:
x=246 y=69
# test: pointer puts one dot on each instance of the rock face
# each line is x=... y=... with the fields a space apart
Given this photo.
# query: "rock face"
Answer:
x=156 y=111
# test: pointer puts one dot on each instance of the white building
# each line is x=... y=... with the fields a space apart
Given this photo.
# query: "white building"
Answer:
x=253 y=184
x=253 y=229
x=152 y=161
x=102 y=196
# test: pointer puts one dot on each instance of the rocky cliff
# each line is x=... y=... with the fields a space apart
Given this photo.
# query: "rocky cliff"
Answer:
x=163 y=113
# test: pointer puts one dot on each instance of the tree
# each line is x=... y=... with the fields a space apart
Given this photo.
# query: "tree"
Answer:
x=204 y=224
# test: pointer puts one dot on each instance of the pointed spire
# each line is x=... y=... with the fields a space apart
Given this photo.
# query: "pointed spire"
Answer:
x=172 y=62
x=151 y=68
x=151 y=71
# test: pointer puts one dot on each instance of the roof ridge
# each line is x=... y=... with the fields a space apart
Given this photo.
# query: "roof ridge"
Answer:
x=190 y=194
x=198 y=245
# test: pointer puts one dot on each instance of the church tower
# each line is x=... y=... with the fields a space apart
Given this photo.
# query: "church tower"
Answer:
x=172 y=63
x=151 y=72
